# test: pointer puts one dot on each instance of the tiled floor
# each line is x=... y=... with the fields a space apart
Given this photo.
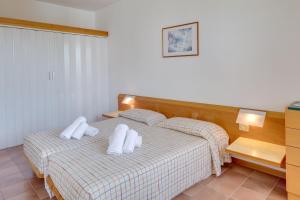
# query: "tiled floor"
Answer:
x=17 y=182
x=237 y=183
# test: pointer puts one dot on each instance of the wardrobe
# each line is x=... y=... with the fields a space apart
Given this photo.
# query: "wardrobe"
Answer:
x=47 y=79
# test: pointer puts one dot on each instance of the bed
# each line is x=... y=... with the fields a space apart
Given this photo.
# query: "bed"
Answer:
x=39 y=146
x=168 y=163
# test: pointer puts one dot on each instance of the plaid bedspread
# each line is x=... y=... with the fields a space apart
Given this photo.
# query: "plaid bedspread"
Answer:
x=167 y=163
x=39 y=146
x=216 y=136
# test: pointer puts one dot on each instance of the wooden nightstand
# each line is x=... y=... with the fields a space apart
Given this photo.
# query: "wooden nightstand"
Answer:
x=292 y=140
x=258 y=152
x=112 y=114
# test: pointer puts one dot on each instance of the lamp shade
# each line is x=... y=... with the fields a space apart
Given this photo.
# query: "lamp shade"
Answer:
x=251 y=118
x=128 y=100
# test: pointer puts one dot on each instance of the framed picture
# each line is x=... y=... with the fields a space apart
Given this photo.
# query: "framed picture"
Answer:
x=181 y=40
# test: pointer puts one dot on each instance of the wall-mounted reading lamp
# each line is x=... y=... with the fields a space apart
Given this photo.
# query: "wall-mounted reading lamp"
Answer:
x=129 y=100
x=247 y=118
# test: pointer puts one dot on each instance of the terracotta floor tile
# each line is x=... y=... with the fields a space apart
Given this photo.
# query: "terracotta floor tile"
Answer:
x=14 y=151
x=263 y=187
x=225 y=168
x=228 y=182
x=192 y=191
x=181 y=197
x=209 y=194
x=8 y=171
x=208 y=180
x=24 y=167
x=25 y=196
x=41 y=193
x=6 y=164
x=28 y=174
x=16 y=189
x=4 y=157
x=11 y=179
x=245 y=194
x=3 y=153
x=278 y=193
x=266 y=178
x=20 y=160
x=242 y=170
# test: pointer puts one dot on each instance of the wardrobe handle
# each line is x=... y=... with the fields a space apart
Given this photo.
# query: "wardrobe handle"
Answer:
x=51 y=76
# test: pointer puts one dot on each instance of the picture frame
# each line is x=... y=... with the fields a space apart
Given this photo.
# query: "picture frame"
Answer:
x=180 y=40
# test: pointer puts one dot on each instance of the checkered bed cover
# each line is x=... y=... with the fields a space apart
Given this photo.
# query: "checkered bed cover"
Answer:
x=39 y=146
x=167 y=163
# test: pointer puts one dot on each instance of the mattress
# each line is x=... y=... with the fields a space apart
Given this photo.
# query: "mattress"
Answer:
x=39 y=146
x=167 y=163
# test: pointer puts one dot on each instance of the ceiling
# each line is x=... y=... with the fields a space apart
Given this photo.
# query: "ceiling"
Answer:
x=91 y=5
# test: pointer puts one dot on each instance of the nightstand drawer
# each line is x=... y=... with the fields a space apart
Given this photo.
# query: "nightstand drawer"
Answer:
x=292 y=137
x=292 y=156
x=292 y=179
x=292 y=119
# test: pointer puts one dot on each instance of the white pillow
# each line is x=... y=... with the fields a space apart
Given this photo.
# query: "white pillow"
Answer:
x=148 y=117
x=191 y=126
x=216 y=136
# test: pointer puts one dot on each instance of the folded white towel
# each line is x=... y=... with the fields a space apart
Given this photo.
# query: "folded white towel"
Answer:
x=117 y=140
x=139 y=141
x=130 y=141
x=68 y=132
x=91 y=131
x=79 y=132
x=138 y=144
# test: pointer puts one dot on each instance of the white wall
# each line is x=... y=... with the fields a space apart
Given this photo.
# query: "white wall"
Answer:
x=45 y=12
x=250 y=51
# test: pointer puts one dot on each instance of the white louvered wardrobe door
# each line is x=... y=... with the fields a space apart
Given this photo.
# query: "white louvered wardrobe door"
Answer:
x=80 y=79
x=78 y=66
x=91 y=76
x=48 y=79
x=6 y=54
x=21 y=75
x=45 y=93
x=56 y=73
x=99 y=84
x=67 y=80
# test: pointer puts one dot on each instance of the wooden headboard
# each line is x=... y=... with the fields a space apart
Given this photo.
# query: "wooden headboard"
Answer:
x=225 y=116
